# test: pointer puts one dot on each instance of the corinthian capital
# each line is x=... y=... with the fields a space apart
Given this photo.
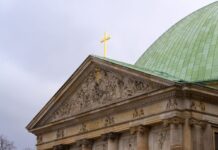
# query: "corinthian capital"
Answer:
x=138 y=129
x=85 y=143
x=111 y=136
x=174 y=120
x=193 y=121
x=60 y=147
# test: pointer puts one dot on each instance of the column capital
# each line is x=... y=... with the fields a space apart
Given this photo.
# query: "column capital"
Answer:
x=141 y=132
x=196 y=122
x=111 y=136
x=60 y=147
x=86 y=143
x=174 y=120
x=141 y=129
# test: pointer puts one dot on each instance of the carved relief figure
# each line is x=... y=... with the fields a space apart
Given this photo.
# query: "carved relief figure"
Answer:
x=101 y=88
x=83 y=128
x=171 y=104
x=198 y=105
x=109 y=120
x=138 y=113
x=60 y=133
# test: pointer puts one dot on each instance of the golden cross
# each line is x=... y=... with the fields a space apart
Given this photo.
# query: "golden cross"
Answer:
x=104 y=40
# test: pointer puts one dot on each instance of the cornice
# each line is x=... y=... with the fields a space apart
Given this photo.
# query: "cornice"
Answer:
x=87 y=65
x=115 y=107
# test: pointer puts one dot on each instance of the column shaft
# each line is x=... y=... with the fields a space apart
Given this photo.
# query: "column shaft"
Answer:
x=176 y=136
x=112 y=144
x=208 y=137
x=175 y=123
x=112 y=141
x=142 y=138
x=86 y=145
x=197 y=140
x=187 y=136
x=86 y=148
x=61 y=147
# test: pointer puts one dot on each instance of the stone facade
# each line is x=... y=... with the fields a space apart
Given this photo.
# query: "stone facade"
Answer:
x=104 y=106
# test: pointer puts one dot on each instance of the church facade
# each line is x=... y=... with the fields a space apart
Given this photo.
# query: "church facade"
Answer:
x=167 y=100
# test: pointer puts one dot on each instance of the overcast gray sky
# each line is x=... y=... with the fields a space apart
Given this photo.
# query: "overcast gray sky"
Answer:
x=42 y=42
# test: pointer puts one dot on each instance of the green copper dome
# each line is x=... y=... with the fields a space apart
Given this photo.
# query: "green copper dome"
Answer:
x=188 y=50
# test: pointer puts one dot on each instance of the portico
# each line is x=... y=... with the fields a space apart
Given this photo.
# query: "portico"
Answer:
x=167 y=100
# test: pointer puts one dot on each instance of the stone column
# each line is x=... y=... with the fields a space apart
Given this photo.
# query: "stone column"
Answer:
x=61 y=147
x=208 y=137
x=187 y=135
x=86 y=144
x=175 y=125
x=141 y=137
x=197 y=139
x=112 y=139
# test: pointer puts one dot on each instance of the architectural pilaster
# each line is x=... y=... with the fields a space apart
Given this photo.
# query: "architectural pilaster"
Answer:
x=112 y=140
x=141 y=137
x=61 y=147
x=86 y=144
x=208 y=137
x=175 y=125
x=197 y=126
x=187 y=135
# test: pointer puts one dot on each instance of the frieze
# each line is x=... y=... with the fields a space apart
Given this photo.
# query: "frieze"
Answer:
x=60 y=133
x=83 y=128
x=138 y=113
x=39 y=139
x=100 y=88
x=197 y=105
x=171 y=104
x=108 y=121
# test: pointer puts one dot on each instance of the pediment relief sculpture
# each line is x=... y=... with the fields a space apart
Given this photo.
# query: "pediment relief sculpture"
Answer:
x=101 y=88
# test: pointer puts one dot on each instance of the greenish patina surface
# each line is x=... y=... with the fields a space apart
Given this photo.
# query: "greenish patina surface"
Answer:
x=187 y=52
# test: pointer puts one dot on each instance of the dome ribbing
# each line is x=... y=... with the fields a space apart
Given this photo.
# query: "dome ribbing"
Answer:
x=189 y=49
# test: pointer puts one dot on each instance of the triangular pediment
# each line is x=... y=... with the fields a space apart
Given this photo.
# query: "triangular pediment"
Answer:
x=94 y=85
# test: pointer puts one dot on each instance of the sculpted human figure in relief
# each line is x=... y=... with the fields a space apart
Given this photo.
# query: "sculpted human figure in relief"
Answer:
x=101 y=88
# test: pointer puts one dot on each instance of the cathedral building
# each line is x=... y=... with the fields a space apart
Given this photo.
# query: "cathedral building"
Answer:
x=167 y=100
